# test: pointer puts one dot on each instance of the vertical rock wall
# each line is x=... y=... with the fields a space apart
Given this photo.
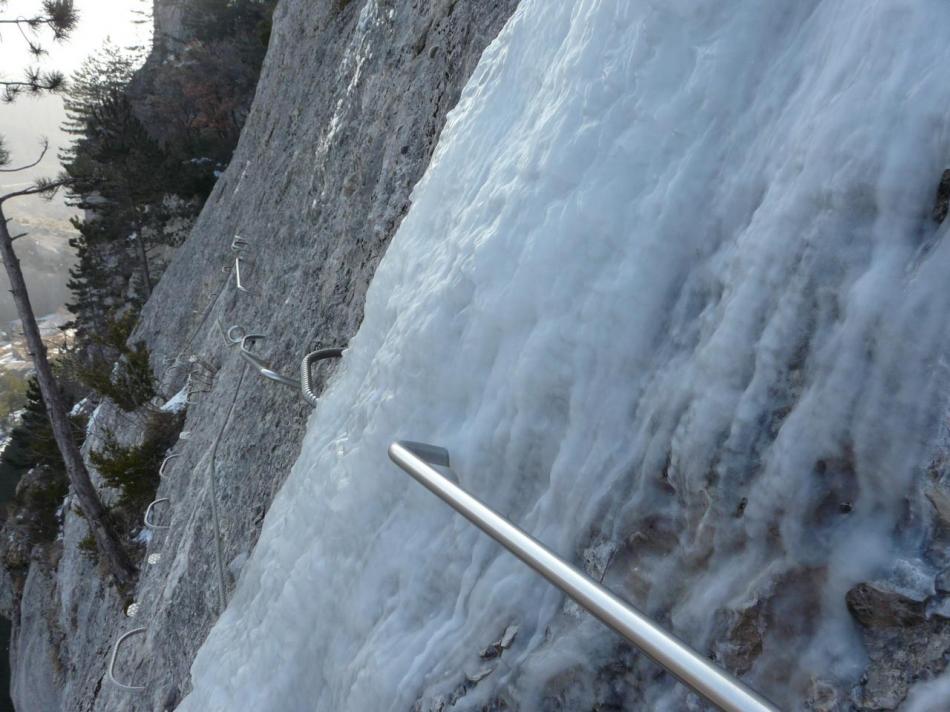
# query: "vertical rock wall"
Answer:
x=352 y=98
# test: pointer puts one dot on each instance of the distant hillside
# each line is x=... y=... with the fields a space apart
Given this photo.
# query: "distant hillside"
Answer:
x=46 y=258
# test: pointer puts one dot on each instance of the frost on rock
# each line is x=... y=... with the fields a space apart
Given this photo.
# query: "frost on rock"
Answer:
x=671 y=282
x=177 y=403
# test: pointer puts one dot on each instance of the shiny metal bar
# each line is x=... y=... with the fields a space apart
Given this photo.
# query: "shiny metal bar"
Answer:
x=690 y=667
x=148 y=520
x=216 y=518
x=115 y=653
x=262 y=368
x=306 y=377
x=237 y=274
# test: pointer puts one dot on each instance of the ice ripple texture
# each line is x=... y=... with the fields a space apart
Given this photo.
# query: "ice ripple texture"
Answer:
x=669 y=291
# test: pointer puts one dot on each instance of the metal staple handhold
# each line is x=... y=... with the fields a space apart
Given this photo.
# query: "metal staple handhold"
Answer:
x=306 y=378
x=235 y=334
x=237 y=274
x=238 y=244
x=262 y=368
x=198 y=383
x=115 y=653
x=238 y=335
x=197 y=361
x=148 y=511
x=161 y=470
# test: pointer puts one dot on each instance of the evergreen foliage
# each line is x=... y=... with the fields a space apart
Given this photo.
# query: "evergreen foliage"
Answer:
x=32 y=447
x=147 y=149
x=133 y=470
x=59 y=18
x=119 y=370
x=31 y=442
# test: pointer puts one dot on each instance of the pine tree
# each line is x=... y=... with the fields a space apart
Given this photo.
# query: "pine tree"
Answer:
x=60 y=18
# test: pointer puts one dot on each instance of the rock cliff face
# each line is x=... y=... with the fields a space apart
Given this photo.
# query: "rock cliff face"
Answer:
x=350 y=104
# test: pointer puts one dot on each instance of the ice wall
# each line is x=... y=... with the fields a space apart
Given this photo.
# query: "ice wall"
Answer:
x=671 y=295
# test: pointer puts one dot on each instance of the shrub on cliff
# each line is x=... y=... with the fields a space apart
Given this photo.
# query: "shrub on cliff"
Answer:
x=33 y=458
x=118 y=370
x=133 y=469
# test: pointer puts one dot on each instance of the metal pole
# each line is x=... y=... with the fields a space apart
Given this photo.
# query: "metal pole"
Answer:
x=262 y=368
x=688 y=666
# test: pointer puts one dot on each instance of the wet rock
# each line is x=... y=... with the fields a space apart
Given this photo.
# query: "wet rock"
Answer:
x=498 y=647
x=873 y=606
x=823 y=697
x=903 y=643
x=942 y=203
x=480 y=675
x=597 y=558
x=508 y=637
x=942 y=582
x=771 y=610
x=939 y=498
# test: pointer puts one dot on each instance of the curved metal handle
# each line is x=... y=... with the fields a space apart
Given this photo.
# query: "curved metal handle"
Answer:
x=687 y=665
x=237 y=275
x=306 y=378
x=115 y=653
x=161 y=470
x=148 y=511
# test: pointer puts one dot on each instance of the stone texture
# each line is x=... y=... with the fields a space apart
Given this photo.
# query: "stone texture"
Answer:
x=903 y=642
x=36 y=666
x=350 y=105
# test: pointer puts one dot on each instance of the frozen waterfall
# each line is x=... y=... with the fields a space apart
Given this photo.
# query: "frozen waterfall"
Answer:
x=671 y=295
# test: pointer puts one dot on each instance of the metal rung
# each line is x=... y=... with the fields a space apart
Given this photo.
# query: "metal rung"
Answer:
x=161 y=470
x=115 y=652
x=684 y=663
x=148 y=512
x=306 y=377
x=262 y=368
x=237 y=274
x=238 y=335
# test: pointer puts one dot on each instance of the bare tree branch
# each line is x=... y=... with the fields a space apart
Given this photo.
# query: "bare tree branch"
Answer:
x=45 y=144
x=46 y=188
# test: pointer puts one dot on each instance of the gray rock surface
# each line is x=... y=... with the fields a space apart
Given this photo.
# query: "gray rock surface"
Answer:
x=350 y=105
x=352 y=99
x=35 y=664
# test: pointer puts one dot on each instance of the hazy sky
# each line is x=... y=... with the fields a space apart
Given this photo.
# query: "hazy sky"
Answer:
x=24 y=122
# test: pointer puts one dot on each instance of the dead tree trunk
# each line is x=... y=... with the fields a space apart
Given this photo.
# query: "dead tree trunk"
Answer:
x=116 y=559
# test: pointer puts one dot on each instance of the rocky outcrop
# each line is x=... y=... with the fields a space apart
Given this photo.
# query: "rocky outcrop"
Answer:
x=350 y=105
x=36 y=666
x=905 y=642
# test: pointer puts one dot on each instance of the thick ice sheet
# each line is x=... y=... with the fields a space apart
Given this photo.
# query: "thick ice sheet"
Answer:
x=671 y=295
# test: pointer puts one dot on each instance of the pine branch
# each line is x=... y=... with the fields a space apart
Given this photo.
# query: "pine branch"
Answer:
x=45 y=187
x=33 y=82
x=5 y=158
